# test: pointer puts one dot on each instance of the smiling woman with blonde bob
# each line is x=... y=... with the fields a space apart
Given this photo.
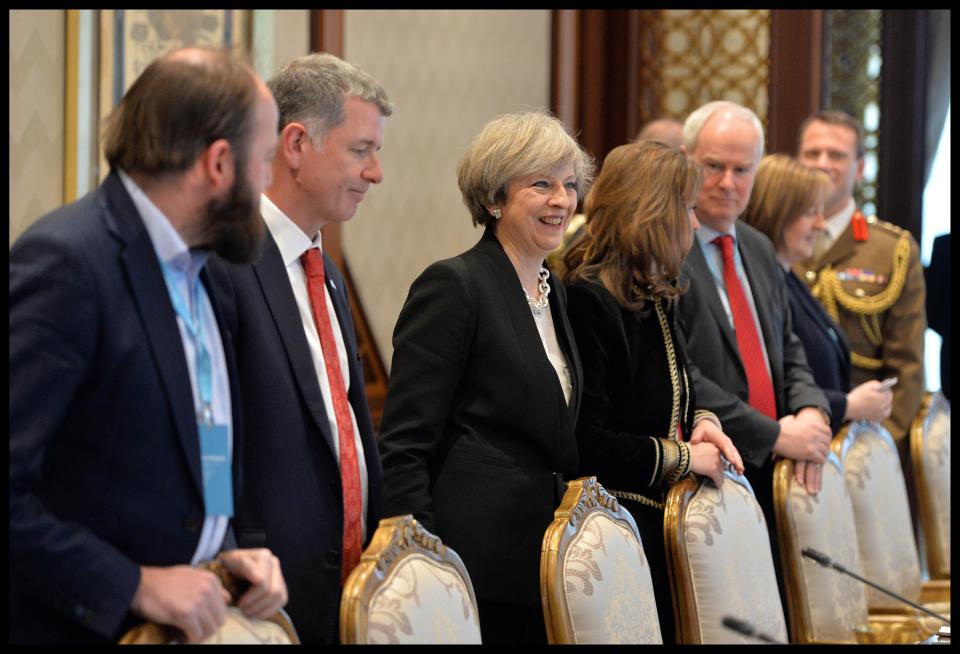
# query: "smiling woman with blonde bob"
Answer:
x=478 y=427
x=639 y=431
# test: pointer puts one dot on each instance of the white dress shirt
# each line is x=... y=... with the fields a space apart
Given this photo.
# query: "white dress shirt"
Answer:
x=186 y=266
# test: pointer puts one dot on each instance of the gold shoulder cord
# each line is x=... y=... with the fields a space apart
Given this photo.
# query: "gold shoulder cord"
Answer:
x=830 y=293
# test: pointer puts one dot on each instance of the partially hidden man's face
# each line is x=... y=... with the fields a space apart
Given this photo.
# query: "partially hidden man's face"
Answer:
x=235 y=219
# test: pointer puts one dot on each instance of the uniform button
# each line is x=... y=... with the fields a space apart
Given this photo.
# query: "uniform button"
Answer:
x=859 y=292
x=191 y=524
x=333 y=557
x=811 y=275
x=79 y=611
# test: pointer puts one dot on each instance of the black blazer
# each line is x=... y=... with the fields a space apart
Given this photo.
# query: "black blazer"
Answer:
x=625 y=367
x=826 y=347
x=104 y=449
x=476 y=435
x=293 y=499
x=715 y=366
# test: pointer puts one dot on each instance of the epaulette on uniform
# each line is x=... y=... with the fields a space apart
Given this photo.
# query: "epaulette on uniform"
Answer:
x=890 y=228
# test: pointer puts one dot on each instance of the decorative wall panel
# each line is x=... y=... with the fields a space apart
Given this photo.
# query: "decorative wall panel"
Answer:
x=689 y=57
x=448 y=73
x=852 y=83
x=36 y=98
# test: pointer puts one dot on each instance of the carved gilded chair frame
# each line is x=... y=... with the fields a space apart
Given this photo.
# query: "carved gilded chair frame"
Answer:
x=885 y=628
x=681 y=584
x=583 y=497
x=395 y=539
x=934 y=590
x=933 y=404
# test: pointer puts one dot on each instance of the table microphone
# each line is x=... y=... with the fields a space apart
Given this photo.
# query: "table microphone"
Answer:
x=747 y=629
x=827 y=562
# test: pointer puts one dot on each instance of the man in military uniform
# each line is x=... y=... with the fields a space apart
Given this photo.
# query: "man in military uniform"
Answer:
x=867 y=274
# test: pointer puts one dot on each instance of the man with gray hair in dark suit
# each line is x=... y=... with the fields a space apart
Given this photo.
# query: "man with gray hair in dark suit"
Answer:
x=749 y=368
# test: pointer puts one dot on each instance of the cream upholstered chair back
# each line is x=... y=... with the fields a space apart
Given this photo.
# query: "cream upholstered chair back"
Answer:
x=237 y=629
x=718 y=552
x=594 y=578
x=930 y=455
x=408 y=588
x=824 y=605
x=881 y=512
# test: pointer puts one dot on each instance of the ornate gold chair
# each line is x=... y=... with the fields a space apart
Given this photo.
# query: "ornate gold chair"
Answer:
x=237 y=629
x=825 y=605
x=930 y=455
x=888 y=551
x=594 y=578
x=408 y=588
x=718 y=553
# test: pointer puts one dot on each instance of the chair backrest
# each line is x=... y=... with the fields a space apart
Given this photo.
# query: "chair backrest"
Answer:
x=408 y=588
x=718 y=553
x=930 y=455
x=825 y=606
x=237 y=629
x=888 y=551
x=594 y=578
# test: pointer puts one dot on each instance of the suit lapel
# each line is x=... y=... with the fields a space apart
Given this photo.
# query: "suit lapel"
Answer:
x=703 y=278
x=274 y=283
x=149 y=293
x=531 y=346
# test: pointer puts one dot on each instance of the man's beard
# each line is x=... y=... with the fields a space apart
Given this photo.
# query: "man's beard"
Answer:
x=234 y=228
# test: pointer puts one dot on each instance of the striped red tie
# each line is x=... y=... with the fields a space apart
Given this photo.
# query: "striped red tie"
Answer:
x=748 y=341
x=312 y=261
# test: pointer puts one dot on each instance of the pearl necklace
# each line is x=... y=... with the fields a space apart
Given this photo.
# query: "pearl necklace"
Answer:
x=538 y=306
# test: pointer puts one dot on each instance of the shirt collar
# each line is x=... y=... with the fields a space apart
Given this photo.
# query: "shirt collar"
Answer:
x=706 y=234
x=291 y=241
x=167 y=242
x=837 y=223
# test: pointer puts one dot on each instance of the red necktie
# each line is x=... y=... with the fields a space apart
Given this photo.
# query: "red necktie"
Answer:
x=312 y=261
x=748 y=341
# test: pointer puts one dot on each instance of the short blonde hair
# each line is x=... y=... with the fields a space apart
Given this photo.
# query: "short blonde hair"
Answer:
x=782 y=192
x=511 y=146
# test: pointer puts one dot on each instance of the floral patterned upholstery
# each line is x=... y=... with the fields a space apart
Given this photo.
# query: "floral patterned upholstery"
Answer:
x=725 y=550
x=595 y=579
x=875 y=481
x=408 y=588
x=930 y=448
x=422 y=601
x=237 y=629
x=829 y=606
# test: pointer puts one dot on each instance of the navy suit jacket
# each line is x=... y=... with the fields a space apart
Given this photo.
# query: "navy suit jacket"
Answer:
x=714 y=363
x=827 y=348
x=293 y=497
x=104 y=450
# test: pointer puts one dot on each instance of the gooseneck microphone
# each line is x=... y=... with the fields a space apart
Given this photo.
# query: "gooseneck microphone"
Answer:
x=747 y=629
x=827 y=562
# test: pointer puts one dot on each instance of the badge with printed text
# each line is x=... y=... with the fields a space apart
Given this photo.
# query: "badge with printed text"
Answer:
x=215 y=465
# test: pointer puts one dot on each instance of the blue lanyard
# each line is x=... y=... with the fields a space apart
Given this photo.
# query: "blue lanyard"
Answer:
x=194 y=329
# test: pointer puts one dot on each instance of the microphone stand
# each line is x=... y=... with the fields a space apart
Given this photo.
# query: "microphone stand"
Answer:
x=745 y=628
x=827 y=562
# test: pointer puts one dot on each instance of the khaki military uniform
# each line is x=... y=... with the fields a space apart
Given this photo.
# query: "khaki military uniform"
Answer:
x=873 y=287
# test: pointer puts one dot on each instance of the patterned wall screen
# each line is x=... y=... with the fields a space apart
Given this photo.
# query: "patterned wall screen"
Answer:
x=852 y=70
x=693 y=56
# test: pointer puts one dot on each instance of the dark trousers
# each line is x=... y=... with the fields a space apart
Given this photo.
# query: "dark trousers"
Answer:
x=507 y=624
